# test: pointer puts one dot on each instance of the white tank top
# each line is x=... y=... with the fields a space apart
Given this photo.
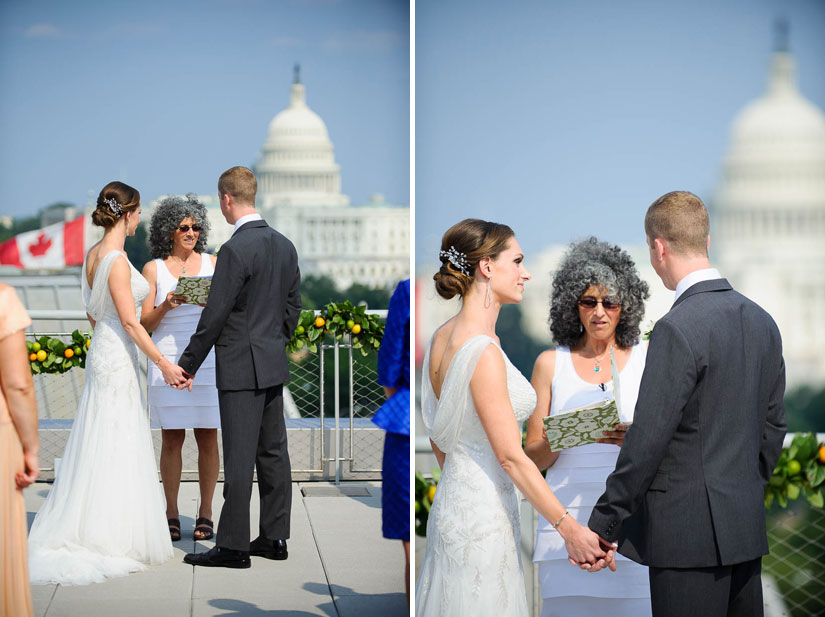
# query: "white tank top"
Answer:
x=570 y=390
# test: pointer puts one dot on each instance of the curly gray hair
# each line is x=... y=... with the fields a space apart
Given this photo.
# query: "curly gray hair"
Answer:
x=591 y=262
x=168 y=214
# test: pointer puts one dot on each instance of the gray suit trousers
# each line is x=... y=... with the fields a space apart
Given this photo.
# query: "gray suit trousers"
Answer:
x=254 y=436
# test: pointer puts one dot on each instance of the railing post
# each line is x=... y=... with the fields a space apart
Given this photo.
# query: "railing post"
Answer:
x=321 y=410
x=337 y=415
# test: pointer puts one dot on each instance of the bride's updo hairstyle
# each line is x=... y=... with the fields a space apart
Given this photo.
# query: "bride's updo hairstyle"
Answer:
x=115 y=200
x=462 y=247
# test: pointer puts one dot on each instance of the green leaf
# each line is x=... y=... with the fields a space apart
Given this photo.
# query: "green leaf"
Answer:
x=805 y=447
x=816 y=499
x=312 y=347
x=815 y=472
x=783 y=501
x=793 y=491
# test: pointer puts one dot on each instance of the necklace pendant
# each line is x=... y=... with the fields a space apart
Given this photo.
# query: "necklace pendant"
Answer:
x=596 y=369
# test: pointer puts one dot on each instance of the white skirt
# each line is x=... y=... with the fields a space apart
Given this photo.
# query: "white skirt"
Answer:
x=175 y=409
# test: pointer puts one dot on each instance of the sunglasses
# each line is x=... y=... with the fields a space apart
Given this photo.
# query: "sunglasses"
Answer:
x=590 y=303
x=184 y=228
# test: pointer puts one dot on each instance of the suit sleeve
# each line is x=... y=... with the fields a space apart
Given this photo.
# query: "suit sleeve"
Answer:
x=227 y=283
x=293 y=305
x=668 y=381
x=775 y=428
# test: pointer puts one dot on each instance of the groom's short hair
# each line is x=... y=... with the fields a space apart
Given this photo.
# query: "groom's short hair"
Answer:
x=681 y=219
x=239 y=182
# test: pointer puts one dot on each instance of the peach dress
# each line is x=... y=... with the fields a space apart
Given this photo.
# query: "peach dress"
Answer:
x=15 y=593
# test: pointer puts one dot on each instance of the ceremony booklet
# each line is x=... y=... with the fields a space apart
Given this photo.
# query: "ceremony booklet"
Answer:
x=586 y=424
x=195 y=288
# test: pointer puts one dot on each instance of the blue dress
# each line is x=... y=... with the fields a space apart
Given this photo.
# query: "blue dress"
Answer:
x=394 y=415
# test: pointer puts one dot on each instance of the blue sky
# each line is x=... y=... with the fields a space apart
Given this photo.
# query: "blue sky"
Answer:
x=165 y=95
x=565 y=119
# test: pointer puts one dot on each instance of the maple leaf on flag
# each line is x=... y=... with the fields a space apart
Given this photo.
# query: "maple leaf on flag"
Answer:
x=41 y=247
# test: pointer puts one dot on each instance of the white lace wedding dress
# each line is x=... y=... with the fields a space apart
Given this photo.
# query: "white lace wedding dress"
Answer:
x=472 y=566
x=104 y=515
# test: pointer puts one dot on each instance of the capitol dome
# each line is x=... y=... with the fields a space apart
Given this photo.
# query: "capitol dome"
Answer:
x=297 y=165
x=781 y=125
x=768 y=232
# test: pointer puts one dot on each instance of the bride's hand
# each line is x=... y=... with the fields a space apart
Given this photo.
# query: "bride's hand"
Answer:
x=584 y=546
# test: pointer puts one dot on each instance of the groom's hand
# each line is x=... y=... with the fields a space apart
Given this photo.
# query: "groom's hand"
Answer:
x=172 y=373
x=606 y=560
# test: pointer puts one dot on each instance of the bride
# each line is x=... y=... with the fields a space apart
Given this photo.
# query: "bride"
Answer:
x=104 y=515
x=473 y=404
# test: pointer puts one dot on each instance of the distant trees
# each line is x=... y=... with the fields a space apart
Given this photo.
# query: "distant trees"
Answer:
x=319 y=289
x=137 y=247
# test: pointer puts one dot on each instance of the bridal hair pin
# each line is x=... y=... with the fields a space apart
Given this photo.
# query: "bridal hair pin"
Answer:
x=458 y=259
x=115 y=207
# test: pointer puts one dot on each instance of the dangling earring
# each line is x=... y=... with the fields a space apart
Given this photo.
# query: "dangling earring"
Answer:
x=488 y=297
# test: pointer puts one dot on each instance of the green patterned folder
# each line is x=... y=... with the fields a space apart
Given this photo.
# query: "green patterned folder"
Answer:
x=582 y=425
x=195 y=288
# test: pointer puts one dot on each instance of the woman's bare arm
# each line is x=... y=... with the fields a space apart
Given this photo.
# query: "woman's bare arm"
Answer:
x=120 y=285
x=536 y=445
x=18 y=389
x=492 y=401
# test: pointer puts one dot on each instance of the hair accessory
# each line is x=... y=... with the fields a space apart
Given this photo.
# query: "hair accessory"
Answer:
x=115 y=207
x=458 y=259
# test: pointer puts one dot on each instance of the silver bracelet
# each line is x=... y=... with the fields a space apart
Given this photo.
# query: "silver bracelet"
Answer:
x=558 y=522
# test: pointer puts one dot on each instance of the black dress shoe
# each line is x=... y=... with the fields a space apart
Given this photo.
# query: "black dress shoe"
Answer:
x=218 y=557
x=271 y=549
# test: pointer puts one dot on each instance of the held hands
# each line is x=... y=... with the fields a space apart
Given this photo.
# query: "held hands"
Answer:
x=585 y=549
x=174 y=375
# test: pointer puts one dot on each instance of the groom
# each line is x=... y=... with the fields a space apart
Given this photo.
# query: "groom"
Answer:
x=252 y=310
x=686 y=497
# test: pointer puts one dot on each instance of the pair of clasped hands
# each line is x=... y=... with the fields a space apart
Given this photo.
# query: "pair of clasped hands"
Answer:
x=606 y=560
x=176 y=377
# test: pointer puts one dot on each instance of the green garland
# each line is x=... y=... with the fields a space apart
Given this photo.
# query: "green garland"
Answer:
x=51 y=355
x=800 y=471
x=424 y=495
x=339 y=319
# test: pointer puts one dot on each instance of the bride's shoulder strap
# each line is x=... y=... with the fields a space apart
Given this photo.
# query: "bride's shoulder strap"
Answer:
x=444 y=417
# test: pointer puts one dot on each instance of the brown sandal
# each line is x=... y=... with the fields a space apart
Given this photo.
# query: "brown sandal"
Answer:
x=205 y=527
x=174 y=528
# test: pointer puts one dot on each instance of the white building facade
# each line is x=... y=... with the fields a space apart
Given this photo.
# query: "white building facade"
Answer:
x=768 y=227
x=299 y=193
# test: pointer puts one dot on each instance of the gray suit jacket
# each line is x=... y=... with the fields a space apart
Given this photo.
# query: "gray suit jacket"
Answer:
x=253 y=308
x=688 y=487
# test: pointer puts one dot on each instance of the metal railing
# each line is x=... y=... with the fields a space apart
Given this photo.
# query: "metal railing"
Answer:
x=305 y=399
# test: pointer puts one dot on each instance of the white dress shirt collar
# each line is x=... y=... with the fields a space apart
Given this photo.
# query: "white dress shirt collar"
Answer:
x=697 y=276
x=245 y=219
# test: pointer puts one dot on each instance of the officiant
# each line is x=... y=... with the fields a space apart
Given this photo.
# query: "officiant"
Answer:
x=177 y=240
x=597 y=303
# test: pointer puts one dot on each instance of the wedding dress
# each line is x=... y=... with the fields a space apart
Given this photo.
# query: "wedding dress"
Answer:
x=104 y=515
x=472 y=566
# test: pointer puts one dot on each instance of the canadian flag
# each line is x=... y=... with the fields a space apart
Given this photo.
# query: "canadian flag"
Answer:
x=51 y=248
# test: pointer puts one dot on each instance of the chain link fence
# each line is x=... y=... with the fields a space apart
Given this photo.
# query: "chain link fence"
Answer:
x=794 y=571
